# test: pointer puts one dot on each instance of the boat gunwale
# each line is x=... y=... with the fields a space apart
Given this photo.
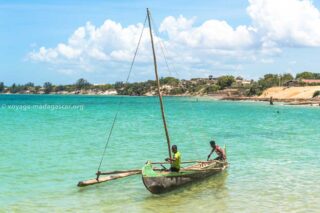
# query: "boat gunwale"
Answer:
x=188 y=170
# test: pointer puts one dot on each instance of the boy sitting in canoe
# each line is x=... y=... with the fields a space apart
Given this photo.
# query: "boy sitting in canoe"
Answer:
x=215 y=148
x=176 y=160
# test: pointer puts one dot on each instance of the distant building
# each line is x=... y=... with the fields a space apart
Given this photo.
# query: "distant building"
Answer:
x=246 y=82
x=301 y=82
x=239 y=78
x=311 y=81
x=210 y=80
x=292 y=83
x=241 y=81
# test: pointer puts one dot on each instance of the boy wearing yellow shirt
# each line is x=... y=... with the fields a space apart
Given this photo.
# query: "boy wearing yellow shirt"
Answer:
x=176 y=160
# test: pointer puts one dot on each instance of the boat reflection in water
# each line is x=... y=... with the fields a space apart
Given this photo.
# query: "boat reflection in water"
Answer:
x=209 y=192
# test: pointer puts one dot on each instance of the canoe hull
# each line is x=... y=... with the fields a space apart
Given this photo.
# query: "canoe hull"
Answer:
x=165 y=183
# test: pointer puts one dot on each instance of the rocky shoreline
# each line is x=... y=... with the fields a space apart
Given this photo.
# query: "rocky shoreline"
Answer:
x=287 y=101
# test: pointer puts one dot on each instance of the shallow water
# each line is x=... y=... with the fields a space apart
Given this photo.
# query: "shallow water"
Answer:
x=273 y=153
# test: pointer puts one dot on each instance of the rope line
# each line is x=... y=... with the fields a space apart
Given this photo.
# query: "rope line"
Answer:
x=120 y=101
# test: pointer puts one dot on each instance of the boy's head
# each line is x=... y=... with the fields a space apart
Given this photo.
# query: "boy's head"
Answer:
x=213 y=144
x=174 y=148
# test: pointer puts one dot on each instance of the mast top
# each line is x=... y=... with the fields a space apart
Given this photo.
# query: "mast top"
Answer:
x=158 y=85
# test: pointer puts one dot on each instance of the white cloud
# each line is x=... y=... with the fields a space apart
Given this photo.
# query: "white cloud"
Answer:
x=212 y=34
x=213 y=44
x=286 y=22
x=46 y=55
x=267 y=61
x=88 y=44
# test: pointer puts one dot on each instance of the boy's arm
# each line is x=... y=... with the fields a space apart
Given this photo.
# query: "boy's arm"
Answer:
x=210 y=154
x=171 y=159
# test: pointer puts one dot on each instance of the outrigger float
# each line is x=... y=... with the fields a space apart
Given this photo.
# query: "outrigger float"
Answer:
x=160 y=180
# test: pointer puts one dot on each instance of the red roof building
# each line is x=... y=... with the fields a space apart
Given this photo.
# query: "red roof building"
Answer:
x=311 y=81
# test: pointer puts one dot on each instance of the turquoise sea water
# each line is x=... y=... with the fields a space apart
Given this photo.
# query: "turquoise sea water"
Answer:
x=49 y=143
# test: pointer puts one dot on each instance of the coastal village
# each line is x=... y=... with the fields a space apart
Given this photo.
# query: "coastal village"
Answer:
x=304 y=88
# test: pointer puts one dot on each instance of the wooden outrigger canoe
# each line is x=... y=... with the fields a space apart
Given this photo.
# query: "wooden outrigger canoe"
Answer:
x=158 y=182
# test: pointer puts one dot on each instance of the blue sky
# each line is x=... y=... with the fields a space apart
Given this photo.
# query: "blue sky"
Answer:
x=196 y=49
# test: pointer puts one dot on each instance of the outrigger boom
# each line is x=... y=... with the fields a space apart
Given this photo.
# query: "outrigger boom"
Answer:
x=109 y=176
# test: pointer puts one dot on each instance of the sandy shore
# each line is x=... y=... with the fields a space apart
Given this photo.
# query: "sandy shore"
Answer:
x=311 y=102
x=287 y=95
x=290 y=92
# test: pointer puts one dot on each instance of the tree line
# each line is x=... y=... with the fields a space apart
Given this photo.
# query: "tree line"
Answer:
x=48 y=87
x=170 y=85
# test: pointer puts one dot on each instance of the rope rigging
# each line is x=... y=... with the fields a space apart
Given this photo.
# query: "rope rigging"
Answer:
x=120 y=101
x=162 y=47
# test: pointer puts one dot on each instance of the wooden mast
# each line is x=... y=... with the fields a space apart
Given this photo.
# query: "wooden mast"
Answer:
x=158 y=85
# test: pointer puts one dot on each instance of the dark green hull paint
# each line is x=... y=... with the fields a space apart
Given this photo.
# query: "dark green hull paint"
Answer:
x=158 y=183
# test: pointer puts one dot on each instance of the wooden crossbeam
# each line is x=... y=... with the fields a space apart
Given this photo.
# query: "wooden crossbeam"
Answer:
x=108 y=177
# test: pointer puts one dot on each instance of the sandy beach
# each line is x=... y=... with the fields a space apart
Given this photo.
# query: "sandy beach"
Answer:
x=290 y=92
x=287 y=95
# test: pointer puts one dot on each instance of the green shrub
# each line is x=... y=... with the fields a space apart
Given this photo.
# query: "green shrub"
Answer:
x=255 y=89
x=1 y=86
x=47 y=86
x=16 y=88
x=177 y=91
x=192 y=88
x=212 y=88
x=169 y=81
x=225 y=81
x=268 y=80
x=308 y=75
x=316 y=94
x=82 y=84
